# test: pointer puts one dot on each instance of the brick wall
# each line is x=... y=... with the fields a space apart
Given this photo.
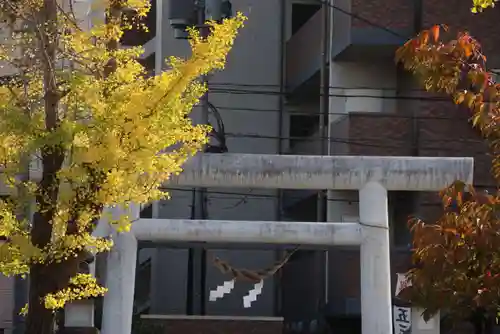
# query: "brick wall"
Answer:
x=380 y=134
x=482 y=26
x=399 y=14
x=434 y=128
x=393 y=14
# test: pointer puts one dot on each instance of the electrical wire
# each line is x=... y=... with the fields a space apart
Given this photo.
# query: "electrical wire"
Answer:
x=221 y=137
x=230 y=195
x=316 y=94
x=306 y=84
x=364 y=114
x=404 y=143
x=219 y=133
x=370 y=143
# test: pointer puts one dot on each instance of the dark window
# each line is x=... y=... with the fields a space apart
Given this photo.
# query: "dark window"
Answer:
x=302 y=126
x=147 y=310
x=302 y=255
x=143 y=284
x=135 y=37
x=149 y=64
x=147 y=212
x=301 y=13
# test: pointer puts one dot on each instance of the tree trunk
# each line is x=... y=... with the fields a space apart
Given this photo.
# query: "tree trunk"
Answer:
x=45 y=278
x=40 y=320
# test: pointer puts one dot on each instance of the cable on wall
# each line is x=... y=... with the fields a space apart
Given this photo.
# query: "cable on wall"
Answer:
x=218 y=133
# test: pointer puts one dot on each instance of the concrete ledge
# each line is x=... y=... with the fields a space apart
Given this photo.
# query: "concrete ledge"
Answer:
x=217 y=325
x=323 y=172
x=208 y=317
x=272 y=232
x=80 y=330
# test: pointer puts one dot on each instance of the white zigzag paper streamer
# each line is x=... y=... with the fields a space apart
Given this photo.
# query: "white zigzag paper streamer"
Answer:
x=252 y=294
x=221 y=290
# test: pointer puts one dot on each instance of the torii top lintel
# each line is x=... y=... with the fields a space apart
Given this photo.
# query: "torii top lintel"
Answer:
x=324 y=172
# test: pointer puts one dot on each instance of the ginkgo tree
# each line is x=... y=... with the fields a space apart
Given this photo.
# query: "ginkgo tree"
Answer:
x=101 y=132
x=457 y=259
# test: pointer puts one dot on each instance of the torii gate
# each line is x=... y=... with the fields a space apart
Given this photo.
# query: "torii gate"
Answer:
x=372 y=176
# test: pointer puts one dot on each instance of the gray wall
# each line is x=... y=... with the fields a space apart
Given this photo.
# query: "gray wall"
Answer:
x=6 y=302
x=249 y=65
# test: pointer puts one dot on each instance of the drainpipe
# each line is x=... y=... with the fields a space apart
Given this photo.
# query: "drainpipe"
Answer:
x=417 y=16
x=323 y=144
x=197 y=262
x=278 y=293
x=417 y=27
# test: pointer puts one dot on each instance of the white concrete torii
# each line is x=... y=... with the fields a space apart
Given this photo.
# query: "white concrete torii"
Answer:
x=372 y=176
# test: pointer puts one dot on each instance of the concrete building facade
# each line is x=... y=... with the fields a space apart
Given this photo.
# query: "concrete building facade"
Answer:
x=268 y=97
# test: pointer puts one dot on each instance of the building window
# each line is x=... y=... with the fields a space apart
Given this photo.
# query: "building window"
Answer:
x=149 y=64
x=301 y=13
x=302 y=126
x=147 y=212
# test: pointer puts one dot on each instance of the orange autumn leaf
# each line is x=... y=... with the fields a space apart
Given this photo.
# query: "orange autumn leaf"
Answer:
x=424 y=39
x=435 y=32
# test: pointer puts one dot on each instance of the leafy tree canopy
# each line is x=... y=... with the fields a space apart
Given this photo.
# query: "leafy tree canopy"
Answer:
x=457 y=260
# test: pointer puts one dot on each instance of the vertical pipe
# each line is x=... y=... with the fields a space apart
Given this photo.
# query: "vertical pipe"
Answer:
x=282 y=90
x=158 y=37
x=417 y=26
x=417 y=16
x=197 y=257
x=202 y=201
x=190 y=286
x=323 y=133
